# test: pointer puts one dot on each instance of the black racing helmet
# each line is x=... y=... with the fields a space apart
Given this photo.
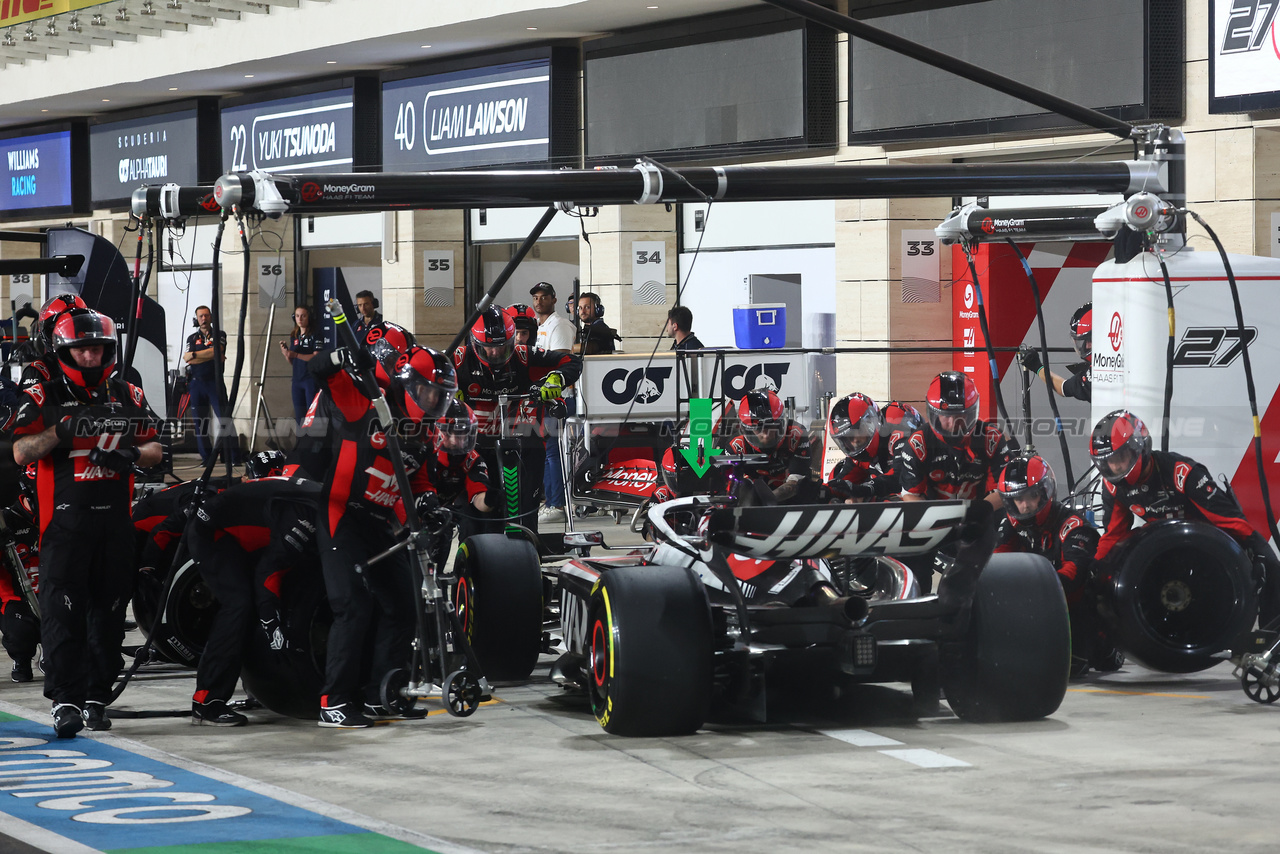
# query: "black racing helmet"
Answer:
x=1082 y=331
x=761 y=414
x=952 y=402
x=1120 y=447
x=493 y=338
x=264 y=464
x=455 y=432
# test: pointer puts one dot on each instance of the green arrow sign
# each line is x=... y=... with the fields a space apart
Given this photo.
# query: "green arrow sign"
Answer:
x=700 y=450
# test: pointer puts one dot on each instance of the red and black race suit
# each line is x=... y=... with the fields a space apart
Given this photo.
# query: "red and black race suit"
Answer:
x=455 y=478
x=42 y=370
x=1078 y=385
x=878 y=472
x=271 y=519
x=18 y=624
x=792 y=455
x=356 y=459
x=246 y=539
x=65 y=477
x=1065 y=537
x=481 y=386
x=158 y=521
x=931 y=468
x=1176 y=487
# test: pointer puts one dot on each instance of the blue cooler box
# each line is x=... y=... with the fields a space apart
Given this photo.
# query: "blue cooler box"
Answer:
x=760 y=326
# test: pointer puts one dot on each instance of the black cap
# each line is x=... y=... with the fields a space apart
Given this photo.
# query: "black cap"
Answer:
x=542 y=286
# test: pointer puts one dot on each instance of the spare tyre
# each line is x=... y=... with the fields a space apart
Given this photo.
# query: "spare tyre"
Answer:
x=1180 y=591
x=189 y=609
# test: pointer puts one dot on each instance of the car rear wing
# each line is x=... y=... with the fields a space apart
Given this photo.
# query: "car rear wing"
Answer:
x=840 y=530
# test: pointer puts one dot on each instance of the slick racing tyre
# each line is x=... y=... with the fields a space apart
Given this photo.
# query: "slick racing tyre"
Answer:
x=499 y=602
x=188 y=612
x=1181 y=592
x=649 y=651
x=1012 y=663
x=288 y=681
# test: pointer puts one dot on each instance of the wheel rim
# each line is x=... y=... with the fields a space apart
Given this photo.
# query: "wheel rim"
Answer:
x=599 y=684
x=1188 y=602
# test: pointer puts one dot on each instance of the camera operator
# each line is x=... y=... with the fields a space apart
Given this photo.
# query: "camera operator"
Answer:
x=202 y=374
x=490 y=364
x=1037 y=523
x=1160 y=485
x=245 y=539
x=361 y=510
x=85 y=430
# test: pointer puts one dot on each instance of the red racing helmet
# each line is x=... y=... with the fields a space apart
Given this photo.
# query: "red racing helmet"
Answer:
x=1027 y=488
x=456 y=430
x=1120 y=447
x=493 y=338
x=952 y=403
x=760 y=412
x=524 y=318
x=1082 y=331
x=83 y=327
x=900 y=421
x=426 y=381
x=389 y=343
x=854 y=425
x=52 y=310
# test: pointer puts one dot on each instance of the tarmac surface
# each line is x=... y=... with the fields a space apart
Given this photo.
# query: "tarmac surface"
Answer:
x=1133 y=761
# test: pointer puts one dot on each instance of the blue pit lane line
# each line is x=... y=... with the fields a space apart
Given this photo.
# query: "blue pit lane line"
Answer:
x=105 y=793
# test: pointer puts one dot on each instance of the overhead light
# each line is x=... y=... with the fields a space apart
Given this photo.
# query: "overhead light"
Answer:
x=106 y=100
x=331 y=62
x=248 y=75
x=531 y=28
x=44 y=111
x=425 y=46
x=173 y=88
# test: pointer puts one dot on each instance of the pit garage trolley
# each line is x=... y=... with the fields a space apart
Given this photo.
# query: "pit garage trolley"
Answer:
x=662 y=636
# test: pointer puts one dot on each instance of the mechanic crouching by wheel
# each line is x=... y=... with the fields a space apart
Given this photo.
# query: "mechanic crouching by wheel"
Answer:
x=1161 y=485
x=86 y=430
x=360 y=511
x=490 y=364
x=1038 y=523
x=244 y=540
x=765 y=429
x=870 y=440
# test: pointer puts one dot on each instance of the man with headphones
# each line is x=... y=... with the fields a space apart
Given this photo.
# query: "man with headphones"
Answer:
x=367 y=309
x=595 y=336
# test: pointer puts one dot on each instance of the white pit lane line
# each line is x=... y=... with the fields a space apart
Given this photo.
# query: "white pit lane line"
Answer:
x=919 y=757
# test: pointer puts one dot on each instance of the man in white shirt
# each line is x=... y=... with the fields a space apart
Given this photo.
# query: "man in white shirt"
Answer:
x=554 y=333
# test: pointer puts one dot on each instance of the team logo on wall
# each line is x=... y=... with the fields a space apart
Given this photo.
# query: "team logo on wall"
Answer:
x=740 y=379
x=643 y=385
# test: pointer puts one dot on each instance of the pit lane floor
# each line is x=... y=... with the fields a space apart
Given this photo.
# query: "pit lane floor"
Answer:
x=1133 y=761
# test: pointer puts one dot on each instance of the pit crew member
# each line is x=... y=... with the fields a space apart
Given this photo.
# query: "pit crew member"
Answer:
x=1077 y=385
x=203 y=374
x=360 y=509
x=18 y=625
x=870 y=438
x=1036 y=522
x=956 y=455
x=245 y=539
x=765 y=429
x=86 y=430
x=46 y=366
x=490 y=364
x=1162 y=485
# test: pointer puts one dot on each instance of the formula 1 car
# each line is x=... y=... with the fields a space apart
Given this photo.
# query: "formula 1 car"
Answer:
x=657 y=636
